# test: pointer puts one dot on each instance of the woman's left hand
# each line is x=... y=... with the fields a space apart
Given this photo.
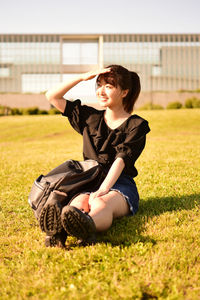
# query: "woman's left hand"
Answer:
x=98 y=193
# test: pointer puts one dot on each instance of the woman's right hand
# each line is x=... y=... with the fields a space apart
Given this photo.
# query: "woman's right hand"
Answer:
x=92 y=74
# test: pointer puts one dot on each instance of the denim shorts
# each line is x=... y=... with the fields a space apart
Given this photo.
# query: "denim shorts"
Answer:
x=127 y=187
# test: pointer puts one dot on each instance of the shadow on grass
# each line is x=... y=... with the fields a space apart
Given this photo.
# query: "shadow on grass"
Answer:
x=127 y=231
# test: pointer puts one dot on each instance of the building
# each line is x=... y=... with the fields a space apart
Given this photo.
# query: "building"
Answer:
x=31 y=63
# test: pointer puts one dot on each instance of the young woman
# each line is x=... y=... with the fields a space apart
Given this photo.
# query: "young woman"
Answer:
x=114 y=138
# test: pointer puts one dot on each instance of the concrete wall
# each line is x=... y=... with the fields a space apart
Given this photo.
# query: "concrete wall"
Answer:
x=39 y=100
x=24 y=100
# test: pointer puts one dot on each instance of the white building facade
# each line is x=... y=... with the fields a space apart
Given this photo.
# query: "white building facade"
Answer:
x=31 y=63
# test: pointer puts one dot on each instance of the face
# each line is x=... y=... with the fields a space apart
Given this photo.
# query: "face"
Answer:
x=109 y=95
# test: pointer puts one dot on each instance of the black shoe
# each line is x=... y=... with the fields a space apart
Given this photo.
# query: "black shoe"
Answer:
x=77 y=223
x=50 y=217
x=56 y=240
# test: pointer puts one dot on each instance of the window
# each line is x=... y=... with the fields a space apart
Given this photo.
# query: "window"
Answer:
x=4 y=72
x=37 y=83
x=156 y=70
x=30 y=53
x=80 y=52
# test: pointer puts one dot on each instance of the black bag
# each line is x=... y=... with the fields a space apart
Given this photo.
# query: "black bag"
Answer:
x=72 y=177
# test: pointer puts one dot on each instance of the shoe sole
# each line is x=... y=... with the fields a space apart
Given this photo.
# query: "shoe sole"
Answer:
x=50 y=220
x=75 y=225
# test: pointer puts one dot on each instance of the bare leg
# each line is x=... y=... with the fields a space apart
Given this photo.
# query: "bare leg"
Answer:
x=81 y=202
x=106 y=208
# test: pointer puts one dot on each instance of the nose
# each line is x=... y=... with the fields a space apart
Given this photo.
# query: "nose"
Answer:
x=101 y=90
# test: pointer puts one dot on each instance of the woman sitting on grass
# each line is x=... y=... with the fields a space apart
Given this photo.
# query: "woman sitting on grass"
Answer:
x=114 y=138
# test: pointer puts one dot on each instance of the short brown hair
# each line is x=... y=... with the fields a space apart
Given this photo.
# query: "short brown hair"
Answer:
x=127 y=80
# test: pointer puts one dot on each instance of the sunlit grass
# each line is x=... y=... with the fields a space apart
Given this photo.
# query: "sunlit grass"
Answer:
x=154 y=255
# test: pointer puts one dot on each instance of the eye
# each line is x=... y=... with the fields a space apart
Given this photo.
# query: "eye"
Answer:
x=109 y=86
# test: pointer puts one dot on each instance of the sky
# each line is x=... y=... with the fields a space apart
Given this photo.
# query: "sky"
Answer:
x=102 y=16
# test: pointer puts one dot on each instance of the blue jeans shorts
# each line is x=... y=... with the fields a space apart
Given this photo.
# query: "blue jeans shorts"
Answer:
x=127 y=187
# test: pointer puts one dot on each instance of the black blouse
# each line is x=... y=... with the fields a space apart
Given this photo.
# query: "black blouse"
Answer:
x=104 y=144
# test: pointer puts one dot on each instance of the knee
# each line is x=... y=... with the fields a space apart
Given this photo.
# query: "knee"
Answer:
x=81 y=202
x=98 y=202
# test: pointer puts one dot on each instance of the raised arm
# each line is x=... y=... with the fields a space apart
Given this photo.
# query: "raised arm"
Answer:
x=55 y=95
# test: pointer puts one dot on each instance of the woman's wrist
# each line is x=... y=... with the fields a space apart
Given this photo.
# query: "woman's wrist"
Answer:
x=104 y=187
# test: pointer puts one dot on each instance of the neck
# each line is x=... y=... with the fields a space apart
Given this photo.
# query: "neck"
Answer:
x=114 y=114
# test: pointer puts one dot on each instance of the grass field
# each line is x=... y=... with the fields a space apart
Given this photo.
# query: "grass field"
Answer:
x=153 y=255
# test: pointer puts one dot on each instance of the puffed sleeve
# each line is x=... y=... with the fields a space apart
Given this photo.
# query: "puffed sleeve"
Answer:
x=133 y=144
x=77 y=114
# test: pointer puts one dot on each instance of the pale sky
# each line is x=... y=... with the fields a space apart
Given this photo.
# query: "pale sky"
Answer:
x=102 y=16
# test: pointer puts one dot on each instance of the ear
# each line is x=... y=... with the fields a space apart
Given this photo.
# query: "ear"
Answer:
x=124 y=93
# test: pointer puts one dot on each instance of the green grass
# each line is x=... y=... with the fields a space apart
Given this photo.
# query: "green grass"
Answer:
x=153 y=255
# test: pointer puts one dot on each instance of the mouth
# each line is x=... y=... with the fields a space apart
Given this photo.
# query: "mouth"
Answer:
x=102 y=101
x=103 y=98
